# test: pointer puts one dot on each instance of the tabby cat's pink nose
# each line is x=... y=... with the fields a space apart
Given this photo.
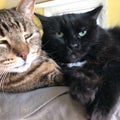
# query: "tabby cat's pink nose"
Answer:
x=24 y=55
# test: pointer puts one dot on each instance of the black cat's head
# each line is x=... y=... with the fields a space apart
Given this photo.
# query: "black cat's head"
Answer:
x=68 y=38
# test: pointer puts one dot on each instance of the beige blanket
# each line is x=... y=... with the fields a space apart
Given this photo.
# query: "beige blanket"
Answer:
x=52 y=103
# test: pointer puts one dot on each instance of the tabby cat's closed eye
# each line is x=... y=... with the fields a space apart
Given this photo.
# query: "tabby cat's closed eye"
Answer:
x=27 y=36
x=4 y=42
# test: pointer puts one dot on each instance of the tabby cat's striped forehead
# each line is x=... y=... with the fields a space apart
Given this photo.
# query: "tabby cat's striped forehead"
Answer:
x=11 y=20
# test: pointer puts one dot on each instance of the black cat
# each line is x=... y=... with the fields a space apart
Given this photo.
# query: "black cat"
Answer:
x=89 y=56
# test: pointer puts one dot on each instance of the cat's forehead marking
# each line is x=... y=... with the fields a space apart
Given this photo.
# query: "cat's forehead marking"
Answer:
x=4 y=39
x=10 y=21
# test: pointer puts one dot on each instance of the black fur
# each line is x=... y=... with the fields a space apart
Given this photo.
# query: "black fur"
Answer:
x=97 y=83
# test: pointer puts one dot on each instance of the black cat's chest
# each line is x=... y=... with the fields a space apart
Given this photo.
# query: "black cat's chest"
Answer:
x=76 y=64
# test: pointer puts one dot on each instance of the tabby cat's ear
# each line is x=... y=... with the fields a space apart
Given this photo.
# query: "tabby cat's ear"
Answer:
x=94 y=13
x=26 y=7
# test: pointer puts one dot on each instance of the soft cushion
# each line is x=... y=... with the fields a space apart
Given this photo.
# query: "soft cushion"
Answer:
x=53 y=103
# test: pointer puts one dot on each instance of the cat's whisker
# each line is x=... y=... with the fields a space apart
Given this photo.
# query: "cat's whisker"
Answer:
x=48 y=43
x=43 y=57
x=2 y=73
x=45 y=43
x=5 y=75
x=2 y=85
x=54 y=52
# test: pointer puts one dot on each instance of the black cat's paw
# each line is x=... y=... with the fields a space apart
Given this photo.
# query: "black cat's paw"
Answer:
x=84 y=96
x=99 y=115
x=84 y=86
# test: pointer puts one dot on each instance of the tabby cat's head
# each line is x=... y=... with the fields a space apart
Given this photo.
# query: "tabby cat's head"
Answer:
x=68 y=38
x=19 y=38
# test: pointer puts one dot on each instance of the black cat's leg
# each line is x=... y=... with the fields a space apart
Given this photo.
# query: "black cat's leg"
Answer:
x=84 y=85
x=106 y=100
x=109 y=93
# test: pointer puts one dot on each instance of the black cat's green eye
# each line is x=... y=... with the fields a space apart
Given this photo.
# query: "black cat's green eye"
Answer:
x=59 y=34
x=82 y=33
x=28 y=35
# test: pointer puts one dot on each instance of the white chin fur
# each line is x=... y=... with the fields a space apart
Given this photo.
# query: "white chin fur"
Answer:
x=20 y=69
x=22 y=65
x=77 y=64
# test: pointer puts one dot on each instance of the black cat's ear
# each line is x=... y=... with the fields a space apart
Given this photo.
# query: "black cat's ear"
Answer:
x=41 y=17
x=95 y=12
x=26 y=7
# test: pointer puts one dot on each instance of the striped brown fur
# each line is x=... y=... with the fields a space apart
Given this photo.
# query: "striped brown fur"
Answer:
x=42 y=74
x=23 y=64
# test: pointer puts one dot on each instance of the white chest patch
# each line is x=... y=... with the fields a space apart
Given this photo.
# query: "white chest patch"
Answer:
x=77 y=64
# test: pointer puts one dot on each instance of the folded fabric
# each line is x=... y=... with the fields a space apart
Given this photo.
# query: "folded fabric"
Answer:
x=53 y=103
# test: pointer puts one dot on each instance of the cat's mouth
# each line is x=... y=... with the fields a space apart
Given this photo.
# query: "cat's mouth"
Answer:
x=75 y=64
x=23 y=65
x=22 y=68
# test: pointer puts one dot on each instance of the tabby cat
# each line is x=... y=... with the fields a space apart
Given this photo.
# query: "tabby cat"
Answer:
x=89 y=56
x=23 y=65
